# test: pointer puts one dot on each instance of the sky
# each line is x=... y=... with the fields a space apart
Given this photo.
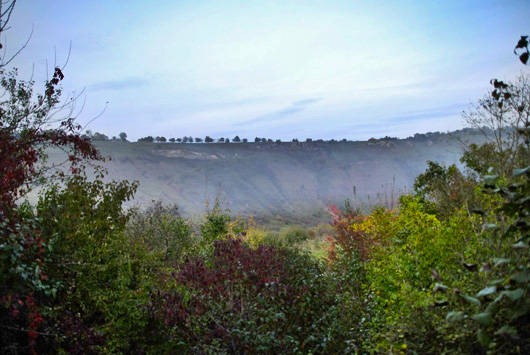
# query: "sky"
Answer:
x=273 y=69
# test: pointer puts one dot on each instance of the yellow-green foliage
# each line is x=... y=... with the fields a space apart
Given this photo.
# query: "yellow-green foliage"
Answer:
x=249 y=230
x=411 y=247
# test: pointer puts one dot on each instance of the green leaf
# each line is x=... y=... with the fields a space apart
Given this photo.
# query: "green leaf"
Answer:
x=483 y=337
x=520 y=245
x=520 y=276
x=500 y=261
x=490 y=179
x=497 y=282
x=470 y=299
x=483 y=318
x=514 y=295
x=506 y=330
x=487 y=291
x=524 y=200
x=493 y=307
x=519 y=172
x=439 y=287
x=520 y=311
x=455 y=316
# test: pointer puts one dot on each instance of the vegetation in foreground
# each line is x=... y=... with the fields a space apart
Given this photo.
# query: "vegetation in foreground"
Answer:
x=447 y=271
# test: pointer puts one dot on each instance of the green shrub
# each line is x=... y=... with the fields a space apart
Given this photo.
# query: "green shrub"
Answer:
x=215 y=224
x=293 y=235
x=104 y=277
x=413 y=253
x=162 y=229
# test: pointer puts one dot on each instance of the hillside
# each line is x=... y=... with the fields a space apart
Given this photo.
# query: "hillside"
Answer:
x=268 y=179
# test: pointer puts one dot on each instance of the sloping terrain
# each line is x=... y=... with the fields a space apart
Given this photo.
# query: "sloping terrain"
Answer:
x=291 y=179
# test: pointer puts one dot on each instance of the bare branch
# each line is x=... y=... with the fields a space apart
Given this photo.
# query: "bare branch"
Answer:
x=3 y=63
x=95 y=118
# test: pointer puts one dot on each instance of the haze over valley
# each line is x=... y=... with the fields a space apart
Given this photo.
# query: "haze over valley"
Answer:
x=297 y=180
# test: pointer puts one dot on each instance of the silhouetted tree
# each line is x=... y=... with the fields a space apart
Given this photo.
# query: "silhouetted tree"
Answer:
x=198 y=140
x=99 y=137
x=172 y=140
x=236 y=139
x=148 y=139
x=245 y=140
x=123 y=136
x=208 y=139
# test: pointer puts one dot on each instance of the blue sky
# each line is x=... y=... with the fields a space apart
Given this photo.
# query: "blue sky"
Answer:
x=274 y=69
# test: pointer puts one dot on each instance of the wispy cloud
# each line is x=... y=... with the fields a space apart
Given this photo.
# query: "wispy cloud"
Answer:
x=127 y=83
x=295 y=107
x=437 y=112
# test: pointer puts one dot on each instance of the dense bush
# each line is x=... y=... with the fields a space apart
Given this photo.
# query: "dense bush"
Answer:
x=293 y=235
x=164 y=232
x=245 y=300
x=215 y=224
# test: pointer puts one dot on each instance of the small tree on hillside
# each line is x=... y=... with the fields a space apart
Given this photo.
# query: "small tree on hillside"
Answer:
x=148 y=139
x=123 y=136
x=99 y=137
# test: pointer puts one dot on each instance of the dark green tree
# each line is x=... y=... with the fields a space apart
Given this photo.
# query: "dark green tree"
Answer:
x=148 y=139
